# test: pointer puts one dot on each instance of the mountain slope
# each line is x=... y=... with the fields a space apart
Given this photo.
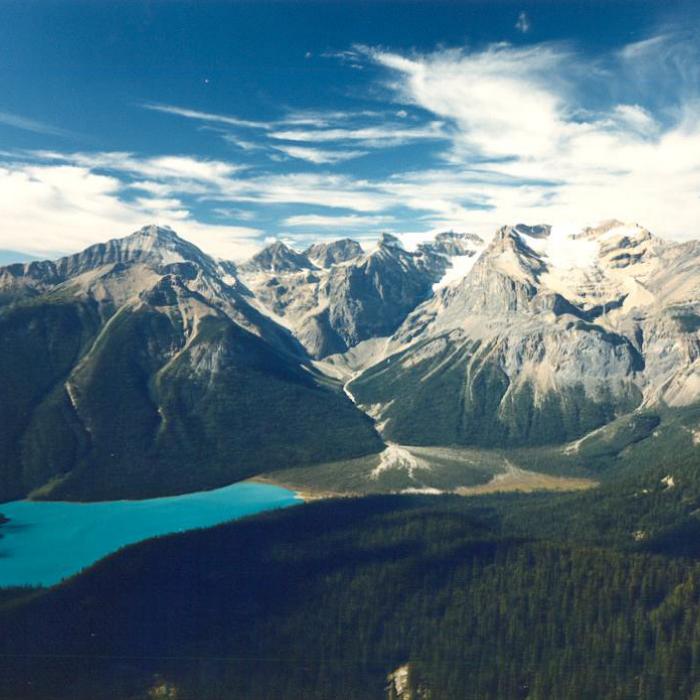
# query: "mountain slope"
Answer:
x=545 y=339
x=134 y=370
x=338 y=595
x=351 y=297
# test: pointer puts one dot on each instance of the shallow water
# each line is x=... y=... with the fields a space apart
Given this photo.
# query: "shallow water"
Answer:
x=45 y=541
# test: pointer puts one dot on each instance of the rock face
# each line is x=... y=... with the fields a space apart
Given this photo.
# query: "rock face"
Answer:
x=133 y=369
x=547 y=337
x=278 y=257
x=142 y=366
x=329 y=254
x=450 y=243
x=353 y=297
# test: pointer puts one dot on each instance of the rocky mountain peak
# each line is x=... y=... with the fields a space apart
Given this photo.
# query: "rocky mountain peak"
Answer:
x=388 y=240
x=153 y=243
x=540 y=231
x=451 y=243
x=278 y=257
x=518 y=252
x=155 y=233
x=333 y=252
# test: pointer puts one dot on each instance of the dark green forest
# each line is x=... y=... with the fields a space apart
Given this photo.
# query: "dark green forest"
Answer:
x=587 y=595
x=93 y=409
x=468 y=402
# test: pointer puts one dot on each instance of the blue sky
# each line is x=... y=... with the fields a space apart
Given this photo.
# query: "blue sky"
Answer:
x=236 y=123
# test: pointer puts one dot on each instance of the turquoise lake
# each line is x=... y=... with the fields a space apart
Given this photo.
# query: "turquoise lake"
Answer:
x=45 y=541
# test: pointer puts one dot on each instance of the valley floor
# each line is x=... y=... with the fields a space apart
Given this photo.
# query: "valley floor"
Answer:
x=522 y=480
x=402 y=469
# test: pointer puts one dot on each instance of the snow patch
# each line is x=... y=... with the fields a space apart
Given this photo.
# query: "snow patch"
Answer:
x=461 y=267
x=563 y=249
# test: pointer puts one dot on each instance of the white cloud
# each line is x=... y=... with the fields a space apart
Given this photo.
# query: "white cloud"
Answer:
x=312 y=126
x=54 y=209
x=383 y=135
x=323 y=118
x=522 y=140
x=336 y=222
x=323 y=189
x=26 y=124
x=527 y=146
x=636 y=118
x=169 y=167
x=502 y=100
x=319 y=156
x=204 y=116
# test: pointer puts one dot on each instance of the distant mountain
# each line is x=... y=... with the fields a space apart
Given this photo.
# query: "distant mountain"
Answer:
x=133 y=369
x=356 y=297
x=545 y=339
x=450 y=243
x=8 y=257
x=328 y=254
x=278 y=257
x=142 y=366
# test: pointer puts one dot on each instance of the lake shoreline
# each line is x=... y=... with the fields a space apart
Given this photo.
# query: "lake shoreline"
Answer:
x=48 y=541
x=305 y=494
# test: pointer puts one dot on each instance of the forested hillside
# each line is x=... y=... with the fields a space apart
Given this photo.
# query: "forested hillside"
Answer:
x=498 y=597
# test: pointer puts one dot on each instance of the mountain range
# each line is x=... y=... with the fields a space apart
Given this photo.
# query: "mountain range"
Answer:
x=143 y=366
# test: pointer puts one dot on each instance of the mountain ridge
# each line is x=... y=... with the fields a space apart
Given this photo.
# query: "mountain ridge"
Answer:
x=154 y=376
x=537 y=338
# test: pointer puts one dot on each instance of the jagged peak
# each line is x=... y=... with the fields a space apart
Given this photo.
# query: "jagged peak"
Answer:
x=389 y=240
x=328 y=253
x=278 y=257
x=280 y=246
x=603 y=228
x=151 y=243
x=459 y=236
x=453 y=243
x=155 y=231
x=536 y=231
x=519 y=237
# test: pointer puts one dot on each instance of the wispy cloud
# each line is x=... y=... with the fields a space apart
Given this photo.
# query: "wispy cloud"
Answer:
x=168 y=167
x=204 y=116
x=523 y=114
x=371 y=129
x=17 y=121
x=385 y=134
x=318 y=156
x=335 y=222
x=536 y=133
x=59 y=208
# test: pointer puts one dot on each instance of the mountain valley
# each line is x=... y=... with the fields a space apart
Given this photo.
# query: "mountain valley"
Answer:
x=389 y=369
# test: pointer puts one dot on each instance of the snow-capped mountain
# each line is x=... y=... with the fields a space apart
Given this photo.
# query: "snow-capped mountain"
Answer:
x=350 y=295
x=548 y=336
x=143 y=366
